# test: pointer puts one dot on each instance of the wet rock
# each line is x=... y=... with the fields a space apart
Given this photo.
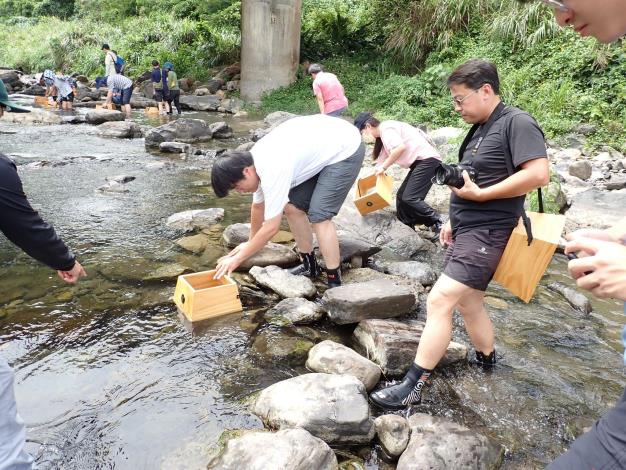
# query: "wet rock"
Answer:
x=113 y=187
x=437 y=443
x=283 y=282
x=392 y=345
x=174 y=147
x=393 y=432
x=360 y=275
x=76 y=119
x=351 y=247
x=444 y=135
x=195 y=219
x=9 y=77
x=236 y=234
x=271 y=254
x=169 y=272
x=99 y=116
x=331 y=407
x=289 y=449
x=495 y=302
x=195 y=243
x=180 y=130
x=84 y=93
x=119 y=129
x=616 y=182
x=245 y=147
x=34 y=90
x=278 y=117
x=122 y=179
x=277 y=346
x=595 y=208
x=221 y=130
x=200 y=103
x=352 y=303
x=36 y=116
x=574 y=297
x=141 y=102
x=334 y=358
x=421 y=272
x=231 y=105
x=581 y=169
x=294 y=311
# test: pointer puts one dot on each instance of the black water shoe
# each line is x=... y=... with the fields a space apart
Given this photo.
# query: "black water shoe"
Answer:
x=308 y=268
x=408 y=392
x=486 y=360
x=334 y=277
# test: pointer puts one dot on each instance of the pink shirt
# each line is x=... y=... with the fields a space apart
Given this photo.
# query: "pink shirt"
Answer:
x=394 y=133
x=328 y=87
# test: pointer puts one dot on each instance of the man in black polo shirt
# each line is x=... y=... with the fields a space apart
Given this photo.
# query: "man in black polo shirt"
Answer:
x=482 y=217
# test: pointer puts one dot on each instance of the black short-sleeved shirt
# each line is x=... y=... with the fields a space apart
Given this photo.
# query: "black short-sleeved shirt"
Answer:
x=526 y=142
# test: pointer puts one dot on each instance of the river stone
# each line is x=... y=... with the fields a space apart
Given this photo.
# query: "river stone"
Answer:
x=9 y=77
x=271 y=254
x=277 y=346
x=113 y=187
x=439 y=444
x=122 y=179
x=444 y=135
x=421 y=272
x=331 y=407
x=195 y=243
x=167 y=273
x=181 y=130
x=581 y=169
x=278 y=117
x=595 y=208
x=245 y=147
x=574 y=297
x=195 y=219
x=283 y=282
x=119 y=129
x=379 y=298
x=334 y=358
x=351 y=247
x=289 y=449
x=393 y=432
x=294 y=311
x=236 y=234
x=174 y=147
x=392 y=344
x=200 y=103
x=214 y=85
x=221 y=130
x=36 y=116
x=231 y=105
x=99 y=116
x=616 y=182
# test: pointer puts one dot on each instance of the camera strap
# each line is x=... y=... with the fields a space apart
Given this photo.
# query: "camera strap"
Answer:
x=495 y=115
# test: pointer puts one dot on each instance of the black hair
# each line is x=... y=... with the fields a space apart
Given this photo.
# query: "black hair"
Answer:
x=155 y=63
x=361 y=121
x=475 y=73
x=228 y=170
x=105 y=46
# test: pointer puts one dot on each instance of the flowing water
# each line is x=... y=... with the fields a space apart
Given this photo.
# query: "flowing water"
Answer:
x=109 y=376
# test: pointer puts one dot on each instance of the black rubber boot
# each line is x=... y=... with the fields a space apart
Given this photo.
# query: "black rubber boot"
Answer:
x=308 y=268
x=334 y=277
x=487 y=361
x=408 y=392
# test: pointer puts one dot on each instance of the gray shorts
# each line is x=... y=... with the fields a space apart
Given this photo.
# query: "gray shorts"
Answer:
x=337 y=112
x=473 y=257
x=321 y=197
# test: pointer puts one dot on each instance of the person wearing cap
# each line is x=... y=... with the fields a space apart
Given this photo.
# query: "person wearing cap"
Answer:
x=23 y=226
x=601 y=264
x=121 y=83
x=59 y=87
x=293 y=170
x=400 y=143
x=109 y=60
x=329 y=93
x=174 y=89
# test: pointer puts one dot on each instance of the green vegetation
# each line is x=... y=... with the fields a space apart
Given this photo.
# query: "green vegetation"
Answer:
x=392 y=56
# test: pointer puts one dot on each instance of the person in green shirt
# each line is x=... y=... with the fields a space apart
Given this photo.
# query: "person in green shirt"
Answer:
x=172 y=81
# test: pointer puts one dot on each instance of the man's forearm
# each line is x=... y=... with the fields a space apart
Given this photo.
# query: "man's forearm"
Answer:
x=256 y=218
x=260 y=238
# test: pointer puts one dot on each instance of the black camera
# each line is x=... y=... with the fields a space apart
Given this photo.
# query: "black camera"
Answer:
x=452 y=175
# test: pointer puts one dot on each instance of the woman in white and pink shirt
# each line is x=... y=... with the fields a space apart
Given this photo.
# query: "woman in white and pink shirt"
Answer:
x=329 y=93
x=400 y=143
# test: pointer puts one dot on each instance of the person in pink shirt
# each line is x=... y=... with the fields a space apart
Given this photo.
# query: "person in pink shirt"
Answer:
x=331 y=98
x=401 y=143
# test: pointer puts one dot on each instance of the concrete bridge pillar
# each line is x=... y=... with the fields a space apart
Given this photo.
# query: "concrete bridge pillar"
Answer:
x=270 y=45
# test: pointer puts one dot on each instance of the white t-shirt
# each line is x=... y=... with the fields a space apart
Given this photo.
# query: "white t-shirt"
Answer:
x=297 y=150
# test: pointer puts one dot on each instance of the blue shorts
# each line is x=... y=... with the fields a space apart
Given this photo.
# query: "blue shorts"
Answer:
x=126 y=94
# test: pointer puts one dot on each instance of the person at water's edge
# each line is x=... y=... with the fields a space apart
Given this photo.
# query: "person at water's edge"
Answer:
x=21 y=224
x=482 y=217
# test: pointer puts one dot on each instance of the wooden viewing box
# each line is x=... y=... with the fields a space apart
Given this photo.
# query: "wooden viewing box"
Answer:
x=373 y=193
x=106 y=106
x=199 y=296
x=43 y=101
x=151 y=110
x=522 y=266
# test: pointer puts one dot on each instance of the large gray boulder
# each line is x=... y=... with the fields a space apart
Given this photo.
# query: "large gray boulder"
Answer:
x=595 y=208
x=99 y=116
x=174 y=147
x=278 y=117
x=289 y=449
x=331 y=407
x=392 y=345
x=281 y=347
x=236 y=234
x=221 y=130
x=294 y=311
x=334 y=358
x=180 y=130
x=421 y=272
x=439 y=444
x=581 y=169
x=283 y=282
x=272 y=254
x=575 y=298
x=119 y=129
x=379 y=298
x=615 y=182
x=200 y=103
x=393 y=433
x=195 y=219
x=9 y=77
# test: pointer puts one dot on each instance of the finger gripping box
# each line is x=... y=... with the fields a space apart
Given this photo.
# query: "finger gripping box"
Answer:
x=199 y=296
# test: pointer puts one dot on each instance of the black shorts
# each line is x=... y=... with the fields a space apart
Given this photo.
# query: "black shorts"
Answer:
x=602 y=448
x=158 y=95
x=473 y=257
x=69 y=98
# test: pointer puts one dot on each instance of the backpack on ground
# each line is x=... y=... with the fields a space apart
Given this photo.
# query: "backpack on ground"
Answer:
x=119 y=64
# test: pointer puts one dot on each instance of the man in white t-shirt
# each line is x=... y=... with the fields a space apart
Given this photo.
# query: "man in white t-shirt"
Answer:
x=304 y=168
